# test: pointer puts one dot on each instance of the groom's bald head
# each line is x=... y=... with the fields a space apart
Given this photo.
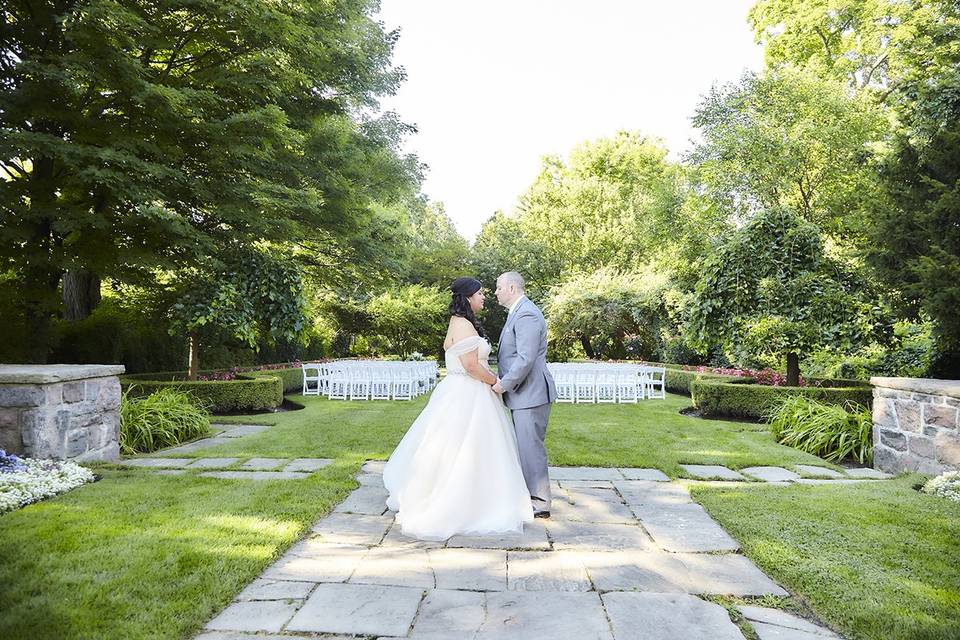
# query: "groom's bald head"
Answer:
x=510 y=286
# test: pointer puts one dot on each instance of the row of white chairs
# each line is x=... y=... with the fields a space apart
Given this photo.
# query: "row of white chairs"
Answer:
x=369 y=379
x=612 y=383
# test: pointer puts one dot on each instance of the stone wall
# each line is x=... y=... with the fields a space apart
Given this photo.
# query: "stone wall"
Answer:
x=916 y=425
x=67 y=412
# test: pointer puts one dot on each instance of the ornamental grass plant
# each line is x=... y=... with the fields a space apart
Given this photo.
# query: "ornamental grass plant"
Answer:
x=162 y=419
x=832 y=432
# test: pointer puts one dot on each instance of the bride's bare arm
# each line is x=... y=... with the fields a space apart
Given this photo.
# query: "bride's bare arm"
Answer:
x=476 y=370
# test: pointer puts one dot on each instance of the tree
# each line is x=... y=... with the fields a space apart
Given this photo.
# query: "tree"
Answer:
x=881 y=47
x=771 y=289
x=788 y=138
x=410 y=318
x=438 y=253
x=613 y=202
x=604 y=309
x=136 y=136
x=916 y=242
x=252 y=296
x=616 y=201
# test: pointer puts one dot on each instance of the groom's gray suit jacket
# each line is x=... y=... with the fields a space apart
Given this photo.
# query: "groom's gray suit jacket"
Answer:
x=522 y=359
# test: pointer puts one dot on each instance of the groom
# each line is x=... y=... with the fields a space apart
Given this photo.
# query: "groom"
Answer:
x=526 y=384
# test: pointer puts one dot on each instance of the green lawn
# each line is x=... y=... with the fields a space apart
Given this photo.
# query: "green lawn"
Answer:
x=647 y=434
x=142 y=555
x=878 y=560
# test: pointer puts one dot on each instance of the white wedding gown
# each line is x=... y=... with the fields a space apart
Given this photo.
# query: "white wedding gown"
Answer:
x=457 y=470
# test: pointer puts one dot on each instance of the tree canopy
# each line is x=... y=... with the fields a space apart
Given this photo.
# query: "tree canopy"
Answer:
x=137 y=136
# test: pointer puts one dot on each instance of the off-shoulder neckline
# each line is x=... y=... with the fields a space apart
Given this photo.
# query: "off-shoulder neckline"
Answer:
x=453 y=344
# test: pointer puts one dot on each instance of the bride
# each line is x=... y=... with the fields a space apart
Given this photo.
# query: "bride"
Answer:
x=457 y=469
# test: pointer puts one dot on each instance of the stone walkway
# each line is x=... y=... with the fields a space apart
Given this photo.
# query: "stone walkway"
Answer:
x=626 y=555
x=234 y=468
x=227 y=468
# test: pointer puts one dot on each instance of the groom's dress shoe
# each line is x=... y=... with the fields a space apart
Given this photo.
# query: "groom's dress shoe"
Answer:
x=541 y=514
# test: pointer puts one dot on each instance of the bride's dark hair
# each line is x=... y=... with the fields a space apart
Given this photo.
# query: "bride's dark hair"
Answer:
x=461 y=289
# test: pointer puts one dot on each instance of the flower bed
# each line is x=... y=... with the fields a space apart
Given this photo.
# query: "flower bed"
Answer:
x=767 y=376
x=25 y=480
x=946 y=485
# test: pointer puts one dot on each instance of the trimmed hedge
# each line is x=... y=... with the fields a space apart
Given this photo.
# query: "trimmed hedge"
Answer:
x=680 y=381
x=244 y=393
x=292 y=379
x=718 y=398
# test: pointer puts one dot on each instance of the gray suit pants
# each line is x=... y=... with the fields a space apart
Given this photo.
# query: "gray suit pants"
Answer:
x=531 y=427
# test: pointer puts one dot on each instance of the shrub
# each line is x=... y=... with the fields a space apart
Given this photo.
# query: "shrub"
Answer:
x=245 y=392
x=722 y=398
x=831 y=431
x=680 y=381
x=291 y=378
x=162 y=419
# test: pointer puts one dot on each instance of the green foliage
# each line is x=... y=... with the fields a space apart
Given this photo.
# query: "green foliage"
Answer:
x=613 y=314
x=903 y=58
x=120 y=333
x=410 y=318
x=680 y=381
x=754 y=401
x=916 y=242
x=138 y=137
x=832 y=432
x=771 y=290
x=788 y=138
x=907 y=354
x=250 y=296
x=880 y=46
x=617 y=202
x=244 y=393
x=162 y=419
x=438 y=253
x=291 y=379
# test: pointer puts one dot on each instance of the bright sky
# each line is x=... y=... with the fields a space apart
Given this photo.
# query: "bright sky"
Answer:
x=493 y=86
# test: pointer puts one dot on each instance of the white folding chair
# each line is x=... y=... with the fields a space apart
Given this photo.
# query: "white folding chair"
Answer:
x=381 y=383
x=359 y=382
x=629 y=388
x=656 y=382
x=606 y=386
x=338 y=385
x=585 y=387
x=565 y=385
x=312 y=377
x=402 y=385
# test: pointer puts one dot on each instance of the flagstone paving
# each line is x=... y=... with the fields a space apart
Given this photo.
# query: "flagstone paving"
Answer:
x=250 y=469
x=625 y=555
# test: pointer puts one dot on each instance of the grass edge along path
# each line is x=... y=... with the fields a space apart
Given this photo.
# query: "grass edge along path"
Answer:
x=139 y=555
x=876 y=560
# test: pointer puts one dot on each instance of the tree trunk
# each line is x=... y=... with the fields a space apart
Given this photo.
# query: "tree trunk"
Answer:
x=587 y=349
x=793 y=370
x=81 y=294
x=39 y=317
x=194 y=355
x=41 y=276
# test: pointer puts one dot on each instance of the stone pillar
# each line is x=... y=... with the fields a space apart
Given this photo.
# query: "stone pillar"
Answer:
x=62 y=411
x=916 y=426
